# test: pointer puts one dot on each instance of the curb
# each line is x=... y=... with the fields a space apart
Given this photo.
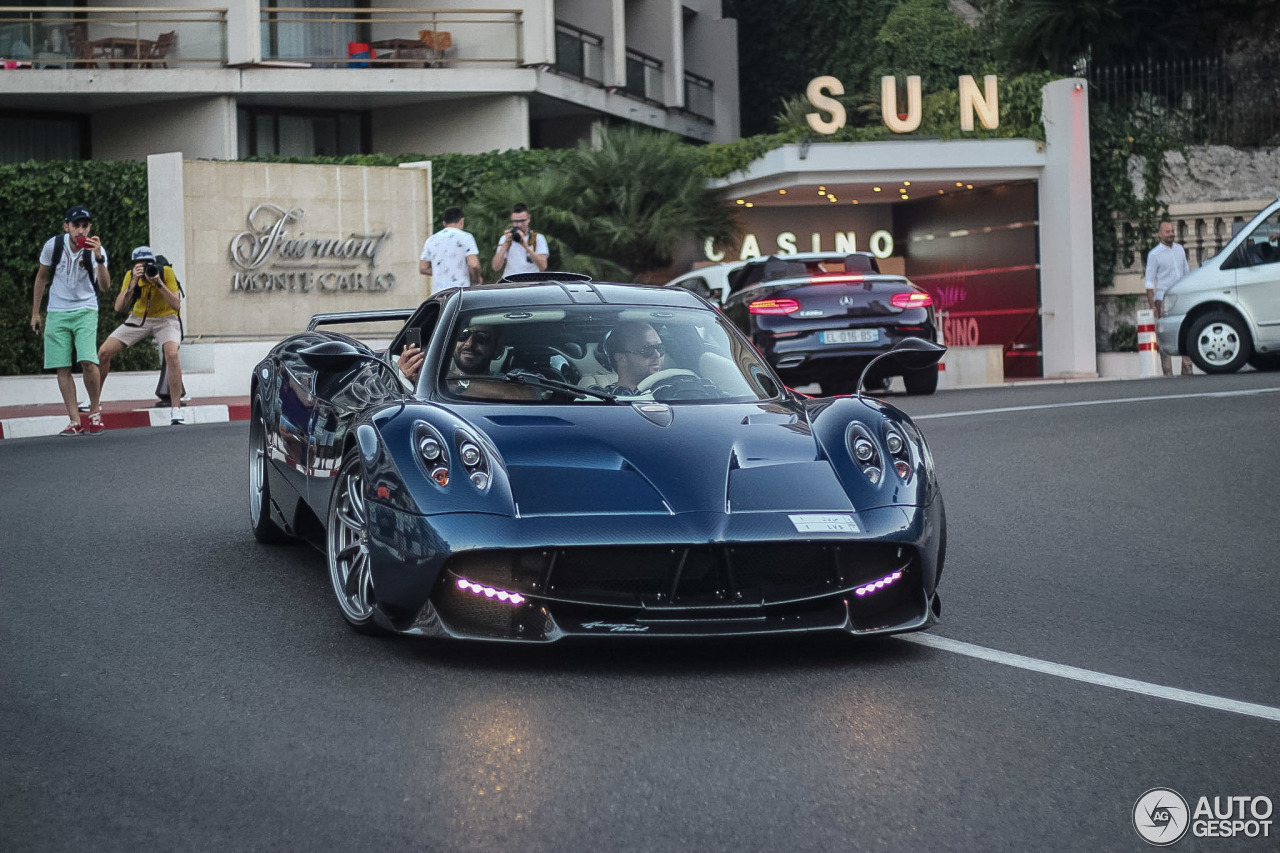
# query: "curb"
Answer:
x=31 y=427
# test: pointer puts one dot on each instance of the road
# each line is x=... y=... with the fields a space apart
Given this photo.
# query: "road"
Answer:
x=166 y=683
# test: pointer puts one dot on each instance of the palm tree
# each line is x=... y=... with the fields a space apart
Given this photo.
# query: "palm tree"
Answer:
x=620 y=209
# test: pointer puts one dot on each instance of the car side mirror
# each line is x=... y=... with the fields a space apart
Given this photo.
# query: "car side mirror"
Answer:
x=333 y=356
x=906 y=354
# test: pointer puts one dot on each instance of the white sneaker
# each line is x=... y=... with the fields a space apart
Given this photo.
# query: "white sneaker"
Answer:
x=176 y=417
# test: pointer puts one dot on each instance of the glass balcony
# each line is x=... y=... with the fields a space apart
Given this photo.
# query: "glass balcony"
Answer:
x=644 y=77
x=111 y=37
x=579 y=54
x=368 y=38
x=699 y=96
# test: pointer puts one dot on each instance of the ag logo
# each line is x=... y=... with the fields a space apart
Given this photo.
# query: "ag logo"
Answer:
x=1160 y=816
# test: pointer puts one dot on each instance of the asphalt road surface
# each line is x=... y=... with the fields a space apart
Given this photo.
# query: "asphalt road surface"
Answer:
x=1109 y=627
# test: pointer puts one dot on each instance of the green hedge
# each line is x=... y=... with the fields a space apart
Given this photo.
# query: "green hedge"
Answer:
x=37 y=196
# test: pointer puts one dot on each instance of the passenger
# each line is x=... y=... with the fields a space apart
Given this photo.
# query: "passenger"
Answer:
x=635 y=352
x=472 y=354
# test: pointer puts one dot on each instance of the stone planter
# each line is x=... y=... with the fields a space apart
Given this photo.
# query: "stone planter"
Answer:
x=1120 y=365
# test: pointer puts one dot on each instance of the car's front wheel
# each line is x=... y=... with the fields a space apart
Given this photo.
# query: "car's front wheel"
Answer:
x=264 y=529
x=347 y=547
x=1219 y=343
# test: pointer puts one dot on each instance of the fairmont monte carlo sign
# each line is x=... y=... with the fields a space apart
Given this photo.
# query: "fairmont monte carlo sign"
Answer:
x=266 y=259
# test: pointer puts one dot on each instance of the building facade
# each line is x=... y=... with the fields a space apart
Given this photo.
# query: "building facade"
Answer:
x=334 y=77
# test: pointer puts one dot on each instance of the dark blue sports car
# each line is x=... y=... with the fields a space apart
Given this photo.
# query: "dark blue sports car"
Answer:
x=571 y=458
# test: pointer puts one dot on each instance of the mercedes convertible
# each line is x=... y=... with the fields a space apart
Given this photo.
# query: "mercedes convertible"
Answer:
x=567 y=458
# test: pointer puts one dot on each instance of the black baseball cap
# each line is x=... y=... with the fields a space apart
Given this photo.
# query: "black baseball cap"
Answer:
x=77 y=213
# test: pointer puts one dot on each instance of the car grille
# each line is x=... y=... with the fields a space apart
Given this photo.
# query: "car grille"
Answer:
x=693 y=577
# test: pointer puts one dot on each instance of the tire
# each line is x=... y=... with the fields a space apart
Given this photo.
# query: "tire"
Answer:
x=1265 y=361
x=347 y=550
x=264 y=528
x=921 y=381
x=1219 y=342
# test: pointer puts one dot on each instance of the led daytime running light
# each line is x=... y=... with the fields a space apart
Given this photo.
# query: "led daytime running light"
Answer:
x=876 y=586
x=513 y=598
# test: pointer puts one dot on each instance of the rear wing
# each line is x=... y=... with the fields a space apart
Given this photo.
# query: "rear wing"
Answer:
x=337 y=318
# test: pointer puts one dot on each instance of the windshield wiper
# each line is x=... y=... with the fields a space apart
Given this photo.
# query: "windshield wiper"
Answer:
x=526 y=377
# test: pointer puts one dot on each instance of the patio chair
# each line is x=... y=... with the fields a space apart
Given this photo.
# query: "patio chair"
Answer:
x=160 y=49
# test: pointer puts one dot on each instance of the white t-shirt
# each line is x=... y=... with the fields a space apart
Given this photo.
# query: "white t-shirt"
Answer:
x=71 y=287
x=1165 y=265
x=447 y=250
x=518 y=259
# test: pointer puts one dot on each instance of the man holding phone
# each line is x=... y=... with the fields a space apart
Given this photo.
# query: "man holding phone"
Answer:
x=77 y=263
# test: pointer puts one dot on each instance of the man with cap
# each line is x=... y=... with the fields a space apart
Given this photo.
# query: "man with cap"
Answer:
x=76 y=263
x=150 y=294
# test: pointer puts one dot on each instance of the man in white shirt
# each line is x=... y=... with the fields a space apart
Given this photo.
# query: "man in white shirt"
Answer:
x=450 y=256
x=1166 y=264
x=520 y=250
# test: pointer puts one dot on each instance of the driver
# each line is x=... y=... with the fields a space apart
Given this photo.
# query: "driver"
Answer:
x=637 y=352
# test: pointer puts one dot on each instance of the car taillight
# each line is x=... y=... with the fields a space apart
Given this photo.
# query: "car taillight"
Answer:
x=911 y=300
x=774 y=306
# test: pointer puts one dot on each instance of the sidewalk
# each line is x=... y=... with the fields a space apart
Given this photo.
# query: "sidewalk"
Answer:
x=50 y=418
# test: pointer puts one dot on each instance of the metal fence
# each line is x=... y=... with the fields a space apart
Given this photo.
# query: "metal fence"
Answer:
x=1223 y=101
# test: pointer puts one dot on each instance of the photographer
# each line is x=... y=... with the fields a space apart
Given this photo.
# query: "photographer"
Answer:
x=520 y=249
x=150 y=294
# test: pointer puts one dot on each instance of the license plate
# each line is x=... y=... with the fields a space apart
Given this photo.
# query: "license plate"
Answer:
x=850 y=336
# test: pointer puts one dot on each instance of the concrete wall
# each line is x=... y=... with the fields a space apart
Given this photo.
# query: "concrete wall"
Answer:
x=272 y=293
x=1066 y=233
x=202 y=128
x=711 y=50
x=471 y=126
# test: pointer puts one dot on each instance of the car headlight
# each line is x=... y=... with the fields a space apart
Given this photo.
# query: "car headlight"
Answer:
x=475 y=460
x=430 y=447
x=1170 y=299
x=864 y=451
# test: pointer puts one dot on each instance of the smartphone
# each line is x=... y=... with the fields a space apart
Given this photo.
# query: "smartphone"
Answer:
x=81 y=242
x=413 y=337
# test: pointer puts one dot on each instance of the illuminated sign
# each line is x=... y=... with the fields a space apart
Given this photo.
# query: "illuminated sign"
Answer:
x=268 y=260
x=985 y=103
x=880 y=245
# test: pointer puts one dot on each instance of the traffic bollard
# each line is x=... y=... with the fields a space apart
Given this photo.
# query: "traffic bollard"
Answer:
x=1148 y=349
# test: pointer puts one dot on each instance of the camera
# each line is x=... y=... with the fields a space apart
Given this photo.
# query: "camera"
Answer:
x=517 y=235
x=151 y=269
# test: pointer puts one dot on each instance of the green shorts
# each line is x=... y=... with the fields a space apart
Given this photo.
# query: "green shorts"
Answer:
x=62 y=329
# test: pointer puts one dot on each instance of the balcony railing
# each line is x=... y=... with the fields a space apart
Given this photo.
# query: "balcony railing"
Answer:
x=112 y=36
x=699 y=96
x=579 y=54
x=1202 y=228
x=644 y=77
x=364 y=38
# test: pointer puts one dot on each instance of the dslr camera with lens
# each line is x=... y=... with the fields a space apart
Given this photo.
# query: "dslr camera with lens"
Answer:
x=151 y=269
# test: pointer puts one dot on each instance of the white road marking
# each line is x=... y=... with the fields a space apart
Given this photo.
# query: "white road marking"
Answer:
x=1001 y=410
x=1204 y=700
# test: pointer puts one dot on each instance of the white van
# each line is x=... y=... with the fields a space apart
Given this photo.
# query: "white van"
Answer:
x=1227 y=313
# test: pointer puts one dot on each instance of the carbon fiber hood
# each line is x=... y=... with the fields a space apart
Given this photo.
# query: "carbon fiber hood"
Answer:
x=664 y=459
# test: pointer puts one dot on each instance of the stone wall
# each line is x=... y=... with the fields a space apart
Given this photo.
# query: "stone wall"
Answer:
x=1213 y=173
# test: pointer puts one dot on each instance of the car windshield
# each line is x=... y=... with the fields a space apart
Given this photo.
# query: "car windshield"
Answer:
x=596 y=355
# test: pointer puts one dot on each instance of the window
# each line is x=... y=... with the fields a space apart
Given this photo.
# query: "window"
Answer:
x=43 y=136
x=298 y=133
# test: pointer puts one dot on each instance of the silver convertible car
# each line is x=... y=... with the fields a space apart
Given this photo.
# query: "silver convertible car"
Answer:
x=1226 y=313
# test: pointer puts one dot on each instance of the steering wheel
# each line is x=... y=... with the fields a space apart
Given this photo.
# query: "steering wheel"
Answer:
x=678 y=384
x=654 y=378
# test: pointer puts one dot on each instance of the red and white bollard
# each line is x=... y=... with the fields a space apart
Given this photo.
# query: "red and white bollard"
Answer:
x=1148 y=349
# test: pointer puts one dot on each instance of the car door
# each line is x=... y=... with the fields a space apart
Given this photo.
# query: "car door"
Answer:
x=1258 y=277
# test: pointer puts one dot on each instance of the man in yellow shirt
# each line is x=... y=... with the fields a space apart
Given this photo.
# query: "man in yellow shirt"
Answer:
x=152 y=291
